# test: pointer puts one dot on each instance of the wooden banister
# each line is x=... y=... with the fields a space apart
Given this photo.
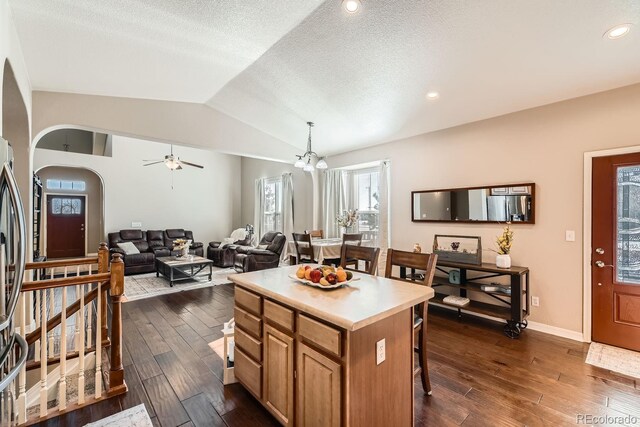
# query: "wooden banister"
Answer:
x=103 y=267
x=61 y=263
x=65 y=281
x=116 y=374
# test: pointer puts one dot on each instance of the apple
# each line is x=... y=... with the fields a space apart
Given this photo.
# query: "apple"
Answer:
x=332 y=278
x=316 y=275
x=306 y=267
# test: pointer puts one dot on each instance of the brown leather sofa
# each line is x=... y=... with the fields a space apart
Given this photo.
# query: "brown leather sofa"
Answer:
x=161 y=242
x=151 y=244
x=144 y=262
x=266 y=255
x=223 y=255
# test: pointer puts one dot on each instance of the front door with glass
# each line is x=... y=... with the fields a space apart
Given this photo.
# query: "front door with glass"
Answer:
x=615 y=250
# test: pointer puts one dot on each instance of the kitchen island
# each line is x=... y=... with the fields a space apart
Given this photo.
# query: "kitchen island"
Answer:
x=317 y=357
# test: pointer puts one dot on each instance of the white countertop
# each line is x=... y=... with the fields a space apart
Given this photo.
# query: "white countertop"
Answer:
x=360 y=303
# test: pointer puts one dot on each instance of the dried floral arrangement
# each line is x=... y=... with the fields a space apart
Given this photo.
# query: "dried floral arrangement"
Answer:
x=348 y=218
x=505 y=240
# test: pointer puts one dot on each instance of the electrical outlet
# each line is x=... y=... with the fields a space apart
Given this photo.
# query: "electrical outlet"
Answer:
x=535 y=301
x=570 y=236
x=136 y=224
x=380 y=351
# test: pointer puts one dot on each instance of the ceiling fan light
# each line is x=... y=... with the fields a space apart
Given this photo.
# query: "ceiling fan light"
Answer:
x=322 y=164
x=299 y=163
x=308 y=167
x=172 y=164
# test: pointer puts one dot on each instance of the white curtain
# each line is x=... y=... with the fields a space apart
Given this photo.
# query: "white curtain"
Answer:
x=384 y=237
x=333 y=202
x=287 y=210
x=258 y=210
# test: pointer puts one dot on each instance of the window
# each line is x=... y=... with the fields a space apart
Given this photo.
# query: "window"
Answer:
x=58 y=184
x=272 y=214
x=65 y=206
x=363 y=193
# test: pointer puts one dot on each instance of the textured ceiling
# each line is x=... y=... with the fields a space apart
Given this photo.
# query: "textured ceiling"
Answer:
x=178 y=50
x=362 y=78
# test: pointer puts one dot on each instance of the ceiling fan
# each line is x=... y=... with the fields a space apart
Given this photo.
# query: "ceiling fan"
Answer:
x=172 y=162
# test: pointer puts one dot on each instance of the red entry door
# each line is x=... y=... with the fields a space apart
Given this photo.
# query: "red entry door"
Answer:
x=65 y=226
x=615 y=251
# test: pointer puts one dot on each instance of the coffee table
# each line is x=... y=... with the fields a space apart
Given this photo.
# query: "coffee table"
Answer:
x=183 y=268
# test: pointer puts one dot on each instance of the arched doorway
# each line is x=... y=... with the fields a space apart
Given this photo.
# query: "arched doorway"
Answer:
x=72 y=214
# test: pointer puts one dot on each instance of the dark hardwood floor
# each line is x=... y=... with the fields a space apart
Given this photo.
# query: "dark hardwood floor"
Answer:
x=479 y=376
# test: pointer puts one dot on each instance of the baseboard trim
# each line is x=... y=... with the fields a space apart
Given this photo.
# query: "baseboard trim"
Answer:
x=554 y=330
x=534 y=326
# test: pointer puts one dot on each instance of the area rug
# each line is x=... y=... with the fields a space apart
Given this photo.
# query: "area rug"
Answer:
x=614 y=359
x=133 y=417
x=148 y=285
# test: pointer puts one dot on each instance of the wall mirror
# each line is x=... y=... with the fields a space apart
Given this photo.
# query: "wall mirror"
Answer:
x=496 y=203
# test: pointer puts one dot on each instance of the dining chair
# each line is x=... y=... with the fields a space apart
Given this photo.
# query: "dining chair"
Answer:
x=427 y=263
x=352 y=239
x=366 y=254
x=315 y=233
x=304 y=252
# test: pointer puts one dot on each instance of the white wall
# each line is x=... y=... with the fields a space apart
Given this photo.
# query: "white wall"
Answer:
x=253 y=169
x=206 y=201
x=543 y=145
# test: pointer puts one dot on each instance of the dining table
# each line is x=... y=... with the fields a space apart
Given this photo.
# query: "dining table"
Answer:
x=329 y=248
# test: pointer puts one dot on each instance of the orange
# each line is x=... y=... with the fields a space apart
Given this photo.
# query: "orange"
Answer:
x=307 y=273
x=342 y=275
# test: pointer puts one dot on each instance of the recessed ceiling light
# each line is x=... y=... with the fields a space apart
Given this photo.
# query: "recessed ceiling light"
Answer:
x=433 y=95
x=618 y=31
x=351 y=6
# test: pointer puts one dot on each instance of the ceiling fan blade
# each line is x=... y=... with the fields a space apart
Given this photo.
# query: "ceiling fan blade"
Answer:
x=153 y=160
x=191 y=164
x=154 y=163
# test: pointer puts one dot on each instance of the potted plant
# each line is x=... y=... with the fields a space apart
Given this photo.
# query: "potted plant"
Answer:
x=504 y=241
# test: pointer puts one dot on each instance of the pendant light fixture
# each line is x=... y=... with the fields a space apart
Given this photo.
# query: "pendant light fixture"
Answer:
x=307 y=166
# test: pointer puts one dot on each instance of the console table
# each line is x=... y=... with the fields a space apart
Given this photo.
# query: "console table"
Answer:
x=513 y=308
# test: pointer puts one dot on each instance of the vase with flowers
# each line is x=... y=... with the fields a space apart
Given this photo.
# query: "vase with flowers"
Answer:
x=504 y=241
x=348 y=220
x=182 y=245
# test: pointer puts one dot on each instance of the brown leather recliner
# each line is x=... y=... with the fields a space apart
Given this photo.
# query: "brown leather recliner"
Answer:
x=252 y=259
x=223 y=255
x=144 y=262
x=171 y=234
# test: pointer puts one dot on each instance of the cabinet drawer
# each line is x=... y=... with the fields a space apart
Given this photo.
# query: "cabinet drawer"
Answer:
x=249 y=301
x=248 y=344
x=320 y=334
x=248 y=322
x=279 y=315
x=248 y=372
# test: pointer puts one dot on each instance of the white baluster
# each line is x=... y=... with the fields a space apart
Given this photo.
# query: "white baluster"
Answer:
x=36 y=297
x=81 y=349
x=98 y=343
x=43 y=354
x=62 y=389
x=52 y=351
x=22 y=376
x=89 y=317
x=3 y=282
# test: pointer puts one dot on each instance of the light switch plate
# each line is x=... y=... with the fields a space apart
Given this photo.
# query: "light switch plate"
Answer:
x=570 y=236
x=380 y=351
x=136 y=225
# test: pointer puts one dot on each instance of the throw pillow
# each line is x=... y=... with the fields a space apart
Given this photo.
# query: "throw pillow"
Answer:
x=128 y=248
x=263 y=246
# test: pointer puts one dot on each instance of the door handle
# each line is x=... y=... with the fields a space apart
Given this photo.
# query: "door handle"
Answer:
x=601 y=264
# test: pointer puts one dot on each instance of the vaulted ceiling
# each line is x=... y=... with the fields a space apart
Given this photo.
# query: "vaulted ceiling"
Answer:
x=275 y=64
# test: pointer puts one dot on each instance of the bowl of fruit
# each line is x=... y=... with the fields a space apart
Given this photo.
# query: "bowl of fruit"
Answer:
x=323 y=276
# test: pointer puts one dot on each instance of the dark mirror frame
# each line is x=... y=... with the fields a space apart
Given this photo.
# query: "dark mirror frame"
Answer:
x=532 y=217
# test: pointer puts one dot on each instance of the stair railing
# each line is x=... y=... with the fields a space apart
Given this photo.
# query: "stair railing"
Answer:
x=65 y=309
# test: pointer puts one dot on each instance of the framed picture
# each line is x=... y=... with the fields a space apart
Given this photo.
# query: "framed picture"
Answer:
x=462 y=249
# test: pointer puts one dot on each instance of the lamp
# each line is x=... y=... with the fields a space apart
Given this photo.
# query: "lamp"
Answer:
x=308 y=167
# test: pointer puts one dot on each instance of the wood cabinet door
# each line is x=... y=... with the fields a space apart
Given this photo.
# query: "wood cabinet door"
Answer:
x=319 y=389
x=278 y=374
